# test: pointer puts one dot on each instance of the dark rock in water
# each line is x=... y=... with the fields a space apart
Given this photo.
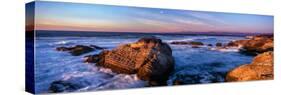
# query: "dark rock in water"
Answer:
x=195 y=46
x=187 y=43
x=150 y=40
x=92 y=58
x=76 y=50
x=219 y=44
x=97 y=47
x=97 y=58
x=261 y=68
x=80 y=49
x=232 y=44
x=149 y=58
x=210 y=45
x=62 y=49
x=63 y=86
x=180 y=42
x=196 y=43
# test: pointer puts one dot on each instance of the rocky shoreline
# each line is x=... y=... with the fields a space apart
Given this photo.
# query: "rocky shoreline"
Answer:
x=151 y=60
x=261 y=67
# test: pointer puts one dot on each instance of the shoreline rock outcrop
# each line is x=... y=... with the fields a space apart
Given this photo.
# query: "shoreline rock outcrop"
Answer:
x=254 y=45
x=79 y=49
x=193 y=44
x=149 y=58
x=187 y=43
x=261 y=68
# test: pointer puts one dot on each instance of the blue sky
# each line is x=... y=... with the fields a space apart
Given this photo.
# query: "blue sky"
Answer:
x=93 y=17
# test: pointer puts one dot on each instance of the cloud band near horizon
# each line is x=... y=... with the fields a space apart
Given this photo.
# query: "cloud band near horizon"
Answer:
x=93 y=17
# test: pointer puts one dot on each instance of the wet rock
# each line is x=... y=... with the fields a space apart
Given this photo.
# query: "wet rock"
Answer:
x=210 y=45
x=187 y=43
x=149 y=58
x=97 y=58
x=92 y=58
x=63 y=86
x=80 y=49
x=180 y=42
x=232 y=44
x=261 y=68
x=62 y=49
x=219 y=44
x=76 y=50
x=196 y=43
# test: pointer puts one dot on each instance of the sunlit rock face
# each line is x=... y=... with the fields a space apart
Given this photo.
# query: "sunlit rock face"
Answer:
x=254 y=45
x=149 y=58
x=261 y=68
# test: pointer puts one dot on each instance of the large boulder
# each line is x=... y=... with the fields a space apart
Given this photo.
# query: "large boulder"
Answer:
x=76 y=50
x=149 y=58
x=261 y=68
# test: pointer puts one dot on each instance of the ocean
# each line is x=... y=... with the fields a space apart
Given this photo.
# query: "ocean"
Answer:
x=192 y=65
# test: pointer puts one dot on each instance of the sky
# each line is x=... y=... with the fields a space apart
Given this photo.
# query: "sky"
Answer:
x=93 y=17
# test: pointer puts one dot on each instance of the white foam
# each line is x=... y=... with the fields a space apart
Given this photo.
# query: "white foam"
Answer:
x=180 y=40
x=226 y=49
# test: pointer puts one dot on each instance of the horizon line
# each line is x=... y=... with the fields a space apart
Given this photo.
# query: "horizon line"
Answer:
x=183 y=32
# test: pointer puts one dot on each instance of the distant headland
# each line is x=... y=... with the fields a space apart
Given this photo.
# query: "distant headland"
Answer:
x=55 y=33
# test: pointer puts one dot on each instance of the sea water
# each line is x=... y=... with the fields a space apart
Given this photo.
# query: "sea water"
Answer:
x=192 y=65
